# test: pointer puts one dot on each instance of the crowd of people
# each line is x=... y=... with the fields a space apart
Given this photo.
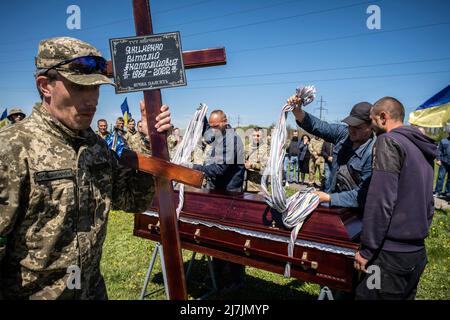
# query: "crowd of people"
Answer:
x=59 y=179
x=374 y=163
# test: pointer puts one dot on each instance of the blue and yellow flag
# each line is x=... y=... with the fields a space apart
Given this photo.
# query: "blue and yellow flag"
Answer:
x=3 y=118
x=125 y=111
x=433 y=113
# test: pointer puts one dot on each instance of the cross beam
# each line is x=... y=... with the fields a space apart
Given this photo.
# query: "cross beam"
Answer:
x=162 y=168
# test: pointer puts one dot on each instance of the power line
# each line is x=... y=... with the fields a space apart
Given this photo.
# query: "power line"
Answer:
x=281 y=18
x=187 y=22
x=258 y=75
x=230 y=14
x=323 y=69
x=111 y=22
x=371 y=33
x=321 y=108
x=314 y=80
x=183 y=7
x=286 y=82
x=299 y=43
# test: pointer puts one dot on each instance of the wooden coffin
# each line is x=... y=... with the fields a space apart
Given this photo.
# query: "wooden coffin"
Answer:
x=241 y=228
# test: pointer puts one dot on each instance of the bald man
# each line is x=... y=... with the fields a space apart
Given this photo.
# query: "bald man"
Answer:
x=224 y=165
x=224 y=169
x=399 y=205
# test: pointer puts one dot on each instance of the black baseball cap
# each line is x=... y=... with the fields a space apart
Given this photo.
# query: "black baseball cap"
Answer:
x=360 y=114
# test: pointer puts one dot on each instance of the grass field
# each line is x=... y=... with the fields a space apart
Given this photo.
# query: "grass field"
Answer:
x=126 y=258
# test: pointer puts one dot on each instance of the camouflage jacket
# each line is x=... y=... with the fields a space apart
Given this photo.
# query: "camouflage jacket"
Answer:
x=315 y=149
x=103 y=136
x=56 y=189
x=136 y=142
x=257 y=156
x=171 y=145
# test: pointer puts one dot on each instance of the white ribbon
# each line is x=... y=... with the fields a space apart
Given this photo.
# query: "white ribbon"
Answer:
x=298 y=207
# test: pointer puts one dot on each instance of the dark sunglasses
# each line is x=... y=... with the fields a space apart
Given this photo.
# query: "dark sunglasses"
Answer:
x=82 y=65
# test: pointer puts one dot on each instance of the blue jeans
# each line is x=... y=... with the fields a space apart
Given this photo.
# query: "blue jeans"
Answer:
x=285 y=167
x=444 y=169
x=291 y=164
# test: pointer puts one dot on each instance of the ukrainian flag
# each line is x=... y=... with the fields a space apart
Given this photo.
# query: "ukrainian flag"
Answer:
x=433 y=113
x=3 y=118
x=125 y=111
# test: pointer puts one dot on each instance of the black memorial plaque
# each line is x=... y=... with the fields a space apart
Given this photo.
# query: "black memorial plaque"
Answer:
x=148 y=62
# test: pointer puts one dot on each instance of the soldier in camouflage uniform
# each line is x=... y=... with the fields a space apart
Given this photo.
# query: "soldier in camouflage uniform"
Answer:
x=135 y=139
x=199 y=156
x=171 y=142
x=145 y=143
x=59 y=180
x=15 y=115
x=102 y=126
x=256 y=157
x=316 y=161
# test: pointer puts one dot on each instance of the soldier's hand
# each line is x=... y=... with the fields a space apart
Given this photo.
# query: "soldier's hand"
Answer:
x=162 y=120
x=438 y=162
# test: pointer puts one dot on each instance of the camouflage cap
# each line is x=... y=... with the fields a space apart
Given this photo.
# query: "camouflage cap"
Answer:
x=56 y=50
x=15 y=110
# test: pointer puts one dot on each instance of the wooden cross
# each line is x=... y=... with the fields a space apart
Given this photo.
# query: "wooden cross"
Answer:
x=159 y=165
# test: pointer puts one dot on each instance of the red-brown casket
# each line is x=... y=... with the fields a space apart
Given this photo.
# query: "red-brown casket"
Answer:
x=242 y=228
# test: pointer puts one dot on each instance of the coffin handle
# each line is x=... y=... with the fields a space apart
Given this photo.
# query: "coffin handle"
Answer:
x=154 y=227
x=247 y=246
x=197 y=235
x=305 y=262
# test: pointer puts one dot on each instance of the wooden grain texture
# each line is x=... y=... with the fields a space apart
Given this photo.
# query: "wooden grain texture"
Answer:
x=164 y=191
x=162 y=168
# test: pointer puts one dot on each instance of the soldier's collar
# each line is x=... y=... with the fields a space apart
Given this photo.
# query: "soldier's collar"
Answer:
x=62 y=131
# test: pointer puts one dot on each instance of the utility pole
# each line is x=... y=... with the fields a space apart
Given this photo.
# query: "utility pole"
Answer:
x=321 y=108
x=239 y=120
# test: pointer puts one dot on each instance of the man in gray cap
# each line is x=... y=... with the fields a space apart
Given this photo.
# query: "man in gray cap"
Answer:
x=15 y=115
x=59 y=180
x=351 y=167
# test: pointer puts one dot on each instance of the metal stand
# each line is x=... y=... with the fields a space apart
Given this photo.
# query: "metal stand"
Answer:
x=325 y=292
x=144 y=293
x=213 y=288
x=159 y=248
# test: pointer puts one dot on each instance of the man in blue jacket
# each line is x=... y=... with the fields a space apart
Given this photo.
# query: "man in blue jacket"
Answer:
x=443 y=161
x=351 y=166
x=399 y=206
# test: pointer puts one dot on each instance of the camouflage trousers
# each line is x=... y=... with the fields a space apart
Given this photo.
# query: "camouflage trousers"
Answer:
x=253 y=183
x=55 y=287
x=314 y=166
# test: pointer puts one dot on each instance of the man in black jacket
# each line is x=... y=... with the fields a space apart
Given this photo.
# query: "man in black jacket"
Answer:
x=224 y=168
x=224 y=165
x=327 y=154
x=292 y=152
x=399 y=206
